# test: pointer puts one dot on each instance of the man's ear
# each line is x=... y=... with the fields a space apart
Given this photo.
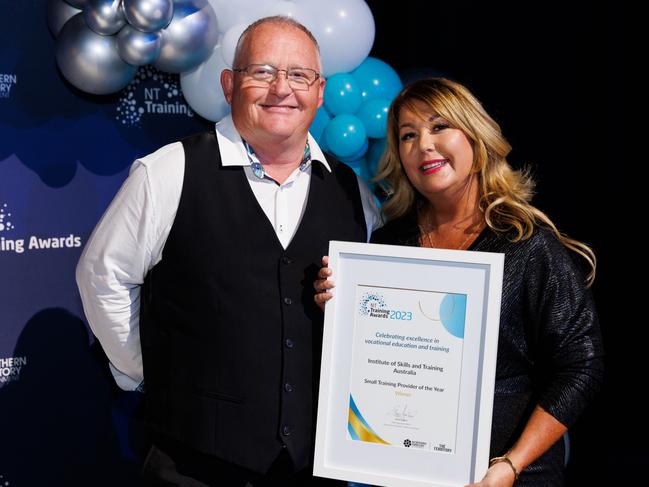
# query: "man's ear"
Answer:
x=321 y=86
x=227 y=83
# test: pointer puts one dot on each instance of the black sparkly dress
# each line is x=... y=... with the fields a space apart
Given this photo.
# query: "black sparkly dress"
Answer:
x=549 y=344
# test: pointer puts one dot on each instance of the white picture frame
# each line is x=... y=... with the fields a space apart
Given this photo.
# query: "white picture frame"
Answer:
x=378 y=318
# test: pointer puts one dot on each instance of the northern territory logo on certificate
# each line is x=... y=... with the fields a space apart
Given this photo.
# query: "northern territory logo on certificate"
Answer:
x=406 y=367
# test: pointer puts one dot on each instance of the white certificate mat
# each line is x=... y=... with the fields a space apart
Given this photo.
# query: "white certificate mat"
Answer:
x=408 y=365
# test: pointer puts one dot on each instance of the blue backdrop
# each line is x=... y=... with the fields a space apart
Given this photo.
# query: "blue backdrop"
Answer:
x=63 y=155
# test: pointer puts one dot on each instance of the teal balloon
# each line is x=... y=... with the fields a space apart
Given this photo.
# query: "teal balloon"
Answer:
x=342 y=94
x=359 y=166
x=358 y=154
x=374 y=115
x=377 y=79
x=452 y=312
x=345 y=135
x=374 y=154
x=320 y=122
x=323 y=144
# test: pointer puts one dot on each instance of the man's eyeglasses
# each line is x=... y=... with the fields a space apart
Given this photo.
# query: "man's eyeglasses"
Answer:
x=297 y=78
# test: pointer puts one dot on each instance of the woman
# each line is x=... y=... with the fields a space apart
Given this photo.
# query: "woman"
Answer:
x=450 y=186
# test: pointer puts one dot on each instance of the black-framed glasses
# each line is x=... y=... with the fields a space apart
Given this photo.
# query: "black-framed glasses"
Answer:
x=297 y=78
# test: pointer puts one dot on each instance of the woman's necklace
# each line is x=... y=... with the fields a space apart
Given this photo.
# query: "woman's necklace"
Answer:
x=425 y=239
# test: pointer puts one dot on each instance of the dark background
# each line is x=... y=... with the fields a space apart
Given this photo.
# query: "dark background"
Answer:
x=551 y=74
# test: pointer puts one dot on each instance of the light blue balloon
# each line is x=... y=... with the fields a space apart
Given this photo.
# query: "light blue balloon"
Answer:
x=345 y=135
x=320 y=122
x=374 y=154
x=377 y=79
x=342 y=94
x=374 y=115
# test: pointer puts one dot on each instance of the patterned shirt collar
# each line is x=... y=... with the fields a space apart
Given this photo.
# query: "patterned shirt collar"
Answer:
x=258 y=168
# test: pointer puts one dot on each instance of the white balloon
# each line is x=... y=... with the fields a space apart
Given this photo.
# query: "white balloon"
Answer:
x=344 y=29
x=287 y=8
x=231 y=12
x=202 y=87
x=229 y=42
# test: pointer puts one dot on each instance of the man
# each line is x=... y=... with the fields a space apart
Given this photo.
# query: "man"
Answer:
x=198 y=279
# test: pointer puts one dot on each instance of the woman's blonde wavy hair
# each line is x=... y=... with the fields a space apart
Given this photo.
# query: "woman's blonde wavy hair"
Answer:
x=505 y=193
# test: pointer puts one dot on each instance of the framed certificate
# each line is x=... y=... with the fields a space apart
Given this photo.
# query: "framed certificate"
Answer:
x=408 y=365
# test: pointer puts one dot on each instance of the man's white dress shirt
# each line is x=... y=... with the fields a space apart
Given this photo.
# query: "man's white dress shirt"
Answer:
x=130 y=237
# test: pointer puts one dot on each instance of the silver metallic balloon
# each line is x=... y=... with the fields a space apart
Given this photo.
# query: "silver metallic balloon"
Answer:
x=138 y=48
x=148 y=15
x=105 y=17
x=190 y=37
x=78 y=3
x=90 y=61
x=58 y=13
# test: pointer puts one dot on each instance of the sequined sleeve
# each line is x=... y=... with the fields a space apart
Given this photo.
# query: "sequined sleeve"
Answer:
x=562 y=314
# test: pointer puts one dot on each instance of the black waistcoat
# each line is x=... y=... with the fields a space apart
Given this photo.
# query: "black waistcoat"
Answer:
x=231 y=338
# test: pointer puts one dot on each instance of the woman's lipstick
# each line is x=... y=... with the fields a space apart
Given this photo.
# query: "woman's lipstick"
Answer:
x=430 y=167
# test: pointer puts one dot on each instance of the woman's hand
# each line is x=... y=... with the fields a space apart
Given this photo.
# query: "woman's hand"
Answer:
x=541 y=431
x=323 y=284
x=499 y=475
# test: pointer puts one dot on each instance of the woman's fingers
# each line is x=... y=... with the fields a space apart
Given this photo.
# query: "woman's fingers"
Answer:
x=321 y=299
x=323 y=284
x=324 y=272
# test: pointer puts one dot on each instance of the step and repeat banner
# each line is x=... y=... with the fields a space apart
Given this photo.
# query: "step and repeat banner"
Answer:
x=63 y=155
x=86 y=87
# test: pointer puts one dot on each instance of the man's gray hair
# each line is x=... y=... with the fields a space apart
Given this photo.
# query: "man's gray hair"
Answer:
x=275 y=20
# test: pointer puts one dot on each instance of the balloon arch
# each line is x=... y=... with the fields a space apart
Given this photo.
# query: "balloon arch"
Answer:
x=101 y=43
